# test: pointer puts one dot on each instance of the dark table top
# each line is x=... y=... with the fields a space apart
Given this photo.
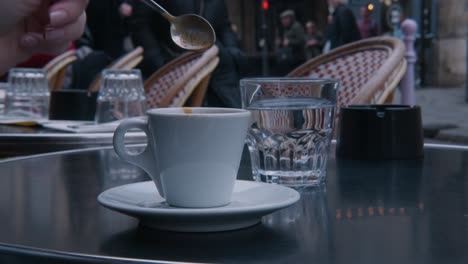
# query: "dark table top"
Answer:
x=368 y=212
x=21 y=141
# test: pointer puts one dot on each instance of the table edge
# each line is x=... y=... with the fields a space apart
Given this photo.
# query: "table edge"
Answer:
x=446 y=146
x=62 y=255
x=75 y=151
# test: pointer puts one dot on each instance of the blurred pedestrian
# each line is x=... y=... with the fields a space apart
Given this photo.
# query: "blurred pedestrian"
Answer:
x=290 y=45
x=343 y=28
x=313 y=40
x=367 y=26
x=126 y=8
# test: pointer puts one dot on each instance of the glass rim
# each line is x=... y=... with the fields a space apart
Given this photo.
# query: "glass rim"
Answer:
x=197 y=111
x=34 y=70
x=135 y=71
x=122 y=75
x=289 y=80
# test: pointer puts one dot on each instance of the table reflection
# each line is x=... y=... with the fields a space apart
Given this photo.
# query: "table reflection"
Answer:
x=368 y=212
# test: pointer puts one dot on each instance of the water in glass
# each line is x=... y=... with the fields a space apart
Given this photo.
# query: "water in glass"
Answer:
x=289 y=139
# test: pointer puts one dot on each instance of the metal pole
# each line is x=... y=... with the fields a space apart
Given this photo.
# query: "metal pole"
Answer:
x=466 y=75
x=409 y=28
x=422 y=62
x=265 y=68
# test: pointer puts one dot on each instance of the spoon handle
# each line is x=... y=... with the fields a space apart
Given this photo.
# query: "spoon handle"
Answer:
x=155 y=6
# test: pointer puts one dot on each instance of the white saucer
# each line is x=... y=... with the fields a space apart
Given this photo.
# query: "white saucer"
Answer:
x=250 y=201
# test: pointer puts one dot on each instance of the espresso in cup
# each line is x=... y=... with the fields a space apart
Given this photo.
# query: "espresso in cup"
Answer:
x=193 y=154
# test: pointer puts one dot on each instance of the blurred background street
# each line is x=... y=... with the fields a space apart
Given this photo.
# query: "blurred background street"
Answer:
x=445 y=114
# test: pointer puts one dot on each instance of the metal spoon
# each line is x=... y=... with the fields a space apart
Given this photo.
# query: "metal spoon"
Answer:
x=191 y=32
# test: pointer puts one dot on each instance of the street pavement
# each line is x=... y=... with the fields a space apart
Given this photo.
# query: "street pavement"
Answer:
x=444 y=113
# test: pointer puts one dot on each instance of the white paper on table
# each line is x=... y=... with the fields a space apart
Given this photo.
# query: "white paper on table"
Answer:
x=20 y=121
x=81 y=126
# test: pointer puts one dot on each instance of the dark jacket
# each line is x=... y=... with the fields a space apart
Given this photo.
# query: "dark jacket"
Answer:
x=296 y=37
x=102 y=42
x=315 y=50
x=151 y=31
x=343 y=29
x=106 y=28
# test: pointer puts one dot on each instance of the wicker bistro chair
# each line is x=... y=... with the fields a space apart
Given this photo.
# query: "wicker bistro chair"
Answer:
x=126 y=62
x=129 y=60
x=56 y=69
x=183 y=81
x=369 y=70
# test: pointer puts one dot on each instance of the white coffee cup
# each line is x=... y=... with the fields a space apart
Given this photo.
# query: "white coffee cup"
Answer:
x=193 y=154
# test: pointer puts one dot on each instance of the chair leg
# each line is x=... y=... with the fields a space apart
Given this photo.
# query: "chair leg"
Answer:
x=197 y=97
x=389 y=99
x=52 y=81
x=59 y=79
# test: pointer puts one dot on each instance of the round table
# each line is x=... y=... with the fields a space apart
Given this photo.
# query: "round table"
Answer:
x=21 y=141
x=413 y=211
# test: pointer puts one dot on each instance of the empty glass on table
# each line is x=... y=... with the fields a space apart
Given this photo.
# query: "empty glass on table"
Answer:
x=27 y=94
x=3 y=87
x=121 y=96
x=291 y=128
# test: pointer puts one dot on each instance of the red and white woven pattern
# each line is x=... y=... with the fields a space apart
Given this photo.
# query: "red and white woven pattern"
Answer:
x=160 y=88
x=353 y=71
x=277 y=122
x=279 y=90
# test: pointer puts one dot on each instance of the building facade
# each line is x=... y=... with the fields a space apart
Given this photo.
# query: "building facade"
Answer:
x=441 y=41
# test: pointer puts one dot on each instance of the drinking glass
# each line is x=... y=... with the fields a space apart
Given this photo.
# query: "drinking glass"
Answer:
x=121 y=96
x=291 y=128
x=3 y=88
x=27 y=94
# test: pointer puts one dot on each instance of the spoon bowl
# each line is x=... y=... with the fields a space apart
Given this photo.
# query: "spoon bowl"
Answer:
x=192 y=32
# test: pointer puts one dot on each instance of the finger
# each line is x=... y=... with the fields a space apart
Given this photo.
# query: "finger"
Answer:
x=69 y=32
x=31 y=40
x=34 y=43
x=63 y=12
x=41 y=13
x=54 y=40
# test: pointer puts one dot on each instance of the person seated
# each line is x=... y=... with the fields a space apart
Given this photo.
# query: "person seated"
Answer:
x=103 y=41
x=151 y=31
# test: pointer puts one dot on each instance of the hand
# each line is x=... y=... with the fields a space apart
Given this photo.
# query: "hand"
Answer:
x=278 y=42
x=311 y=43
x=125 y=9
x=38 y=26
x=52 y=25
x=12 y=12
x=285 y=42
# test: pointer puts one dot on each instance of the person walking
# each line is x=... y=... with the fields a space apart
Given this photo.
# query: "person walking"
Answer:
x=367 y=26
x=343 y=27
x=313 y=40
x=290 y=45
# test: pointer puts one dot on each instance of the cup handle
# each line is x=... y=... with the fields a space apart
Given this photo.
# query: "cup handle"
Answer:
x=146 y=160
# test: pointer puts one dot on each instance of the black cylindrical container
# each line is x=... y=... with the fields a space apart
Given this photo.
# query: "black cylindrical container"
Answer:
x=380 y=132
x=72 y=105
